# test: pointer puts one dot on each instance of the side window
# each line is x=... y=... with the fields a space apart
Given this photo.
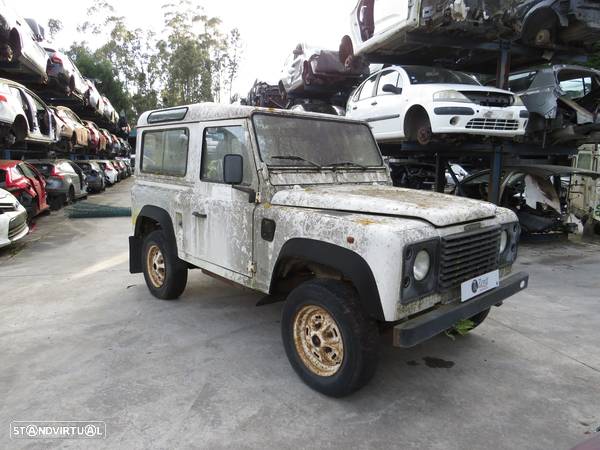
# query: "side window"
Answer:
x=165 y=152
x=584 y=161
x=367 y=89
x=221 y=141
x=388 y=77
x=66 y=167
x=520 y=82
x=27 y=171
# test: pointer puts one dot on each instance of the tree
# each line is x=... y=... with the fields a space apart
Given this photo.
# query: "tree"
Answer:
x=54 y=27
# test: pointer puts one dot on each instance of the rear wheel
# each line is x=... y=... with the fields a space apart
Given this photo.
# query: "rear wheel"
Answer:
x=165 y=277
x=329 y=340
x=71 y=195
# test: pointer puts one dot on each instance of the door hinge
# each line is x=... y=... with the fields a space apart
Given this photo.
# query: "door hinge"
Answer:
x=252 y=267
x=258 y=200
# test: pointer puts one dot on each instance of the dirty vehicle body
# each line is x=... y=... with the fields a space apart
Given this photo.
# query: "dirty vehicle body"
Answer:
x=109 y=112
x=21 y=55
x=13 y=219
x=539 y=195
x=311 y=72
x=420 y=103
x=65 y=181
x=563 y=102
x=92 y=98
x=94 y=176
x=301 y=207
x=24 y=117
x=63 y=75
x=24 y=181
x=417 y=32
x=585 y=192
x=97 y=139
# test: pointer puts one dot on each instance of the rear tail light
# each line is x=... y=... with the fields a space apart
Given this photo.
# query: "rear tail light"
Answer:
x=56 y=59
x=56 y=174
x=3 y=99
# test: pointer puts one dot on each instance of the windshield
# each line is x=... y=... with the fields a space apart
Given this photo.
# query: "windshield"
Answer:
x=307 y=142
x=436 y=75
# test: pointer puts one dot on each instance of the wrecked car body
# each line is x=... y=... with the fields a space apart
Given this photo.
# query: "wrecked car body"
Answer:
x=301 y=207
x=563 y=102
x=265 y=95
x=314 y=72
x=539 y=195
x=422 y=31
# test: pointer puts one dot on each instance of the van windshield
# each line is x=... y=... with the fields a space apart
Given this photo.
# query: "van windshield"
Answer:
x=310 y=142
x=437 y=75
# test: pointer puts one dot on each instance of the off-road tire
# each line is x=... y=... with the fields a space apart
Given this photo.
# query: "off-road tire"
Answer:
x=174 y=275
x=359 y=336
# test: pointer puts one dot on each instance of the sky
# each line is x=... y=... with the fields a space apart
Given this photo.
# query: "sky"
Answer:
x=270 y=29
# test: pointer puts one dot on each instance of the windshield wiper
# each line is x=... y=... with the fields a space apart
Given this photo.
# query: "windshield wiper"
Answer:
x=348 y=164
x=297 y=158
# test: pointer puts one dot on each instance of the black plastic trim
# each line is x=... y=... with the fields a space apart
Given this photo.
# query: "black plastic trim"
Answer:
x=524 y=114
x=454 y=111
x=423 y=327
x=135 y=242
x=412 y=289
x=350 y=264
x=381 y=118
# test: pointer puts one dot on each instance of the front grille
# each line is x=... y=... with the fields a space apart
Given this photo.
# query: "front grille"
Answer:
x=467 y=255
x=489 y=98
x=493 y=124
x=17 y=225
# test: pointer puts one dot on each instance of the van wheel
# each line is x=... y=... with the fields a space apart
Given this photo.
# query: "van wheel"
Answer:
x=329 y=340
x=164 y=276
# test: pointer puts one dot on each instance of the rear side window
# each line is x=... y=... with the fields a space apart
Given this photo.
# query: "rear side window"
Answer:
x=2 y=178
x=165 y=152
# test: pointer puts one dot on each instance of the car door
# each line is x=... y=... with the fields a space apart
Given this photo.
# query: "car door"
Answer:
x=36 y=183
x=388 y=14
x=389 y=110
x=361 y=106
x=223 y=216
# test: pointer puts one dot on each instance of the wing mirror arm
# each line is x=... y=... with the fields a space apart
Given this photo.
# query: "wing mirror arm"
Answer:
x=233 y=174
x=251 y=192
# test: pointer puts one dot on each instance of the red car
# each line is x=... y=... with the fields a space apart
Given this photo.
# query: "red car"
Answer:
x=94 y=143
x=24 y=181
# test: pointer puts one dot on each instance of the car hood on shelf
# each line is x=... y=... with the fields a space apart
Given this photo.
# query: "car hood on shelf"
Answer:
x=437 y=209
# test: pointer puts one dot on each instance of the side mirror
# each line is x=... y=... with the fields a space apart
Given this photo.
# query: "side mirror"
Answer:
x=233 y=169
x=392 y=89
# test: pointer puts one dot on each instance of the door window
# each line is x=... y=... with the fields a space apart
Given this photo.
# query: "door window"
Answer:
x=27 y=171
x=367 y=89
x=221 y=141
x=584 y=161
x=388 y=77
x=165 y=152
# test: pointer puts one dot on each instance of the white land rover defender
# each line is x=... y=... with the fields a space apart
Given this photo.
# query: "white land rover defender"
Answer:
x=301 y=207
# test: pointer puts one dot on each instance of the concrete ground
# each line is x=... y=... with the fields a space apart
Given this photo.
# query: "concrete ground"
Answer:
x=82 y=339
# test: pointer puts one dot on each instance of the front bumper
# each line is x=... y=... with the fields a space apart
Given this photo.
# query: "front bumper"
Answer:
x=428 y=325
x=470 y=118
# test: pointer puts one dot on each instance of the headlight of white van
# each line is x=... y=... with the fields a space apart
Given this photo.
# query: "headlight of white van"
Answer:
x=450 y=96
x=422 y=265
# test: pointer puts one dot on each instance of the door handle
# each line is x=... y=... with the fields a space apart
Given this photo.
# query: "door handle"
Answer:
x=199 y=215
x=355 y=107
x=374 y=103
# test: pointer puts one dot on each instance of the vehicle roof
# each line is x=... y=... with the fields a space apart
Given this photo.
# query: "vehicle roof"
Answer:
x=48 y=161
x=12 y=83
x=204 y=112
x=9 y=162
x=556 y=67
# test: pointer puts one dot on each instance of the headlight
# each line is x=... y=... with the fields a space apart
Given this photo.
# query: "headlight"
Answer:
x=503 y=241
x=421 y=265
x=518 y=101
x=450 y=96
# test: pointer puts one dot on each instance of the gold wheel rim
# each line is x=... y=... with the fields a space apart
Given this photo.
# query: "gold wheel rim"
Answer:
x=156 y=266
x=318 y=340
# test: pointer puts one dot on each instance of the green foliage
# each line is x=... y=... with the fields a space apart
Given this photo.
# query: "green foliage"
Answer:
x=191 y=62
x=461 y=328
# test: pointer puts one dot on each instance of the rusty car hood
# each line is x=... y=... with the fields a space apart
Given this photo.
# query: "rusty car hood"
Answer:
x=438 y=209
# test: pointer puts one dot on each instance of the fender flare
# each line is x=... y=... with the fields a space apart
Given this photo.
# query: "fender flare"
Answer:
x=349 y=263
x=549 y=5
x=136 y=241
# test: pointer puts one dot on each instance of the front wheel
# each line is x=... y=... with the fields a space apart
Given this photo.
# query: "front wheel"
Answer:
x=164 y=276
x=329 y=340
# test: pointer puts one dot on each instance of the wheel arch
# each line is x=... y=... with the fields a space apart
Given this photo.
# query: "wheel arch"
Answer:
x=149 y=219
x=413 y=111
x=331 y=259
